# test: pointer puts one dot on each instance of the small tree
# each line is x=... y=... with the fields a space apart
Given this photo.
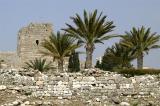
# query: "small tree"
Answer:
x=117 y=56
x=140 y=41
x=74 y=65
x=59 y=46
x=98 y=64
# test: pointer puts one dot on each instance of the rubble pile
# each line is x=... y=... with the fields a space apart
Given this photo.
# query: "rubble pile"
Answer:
x=95 y=88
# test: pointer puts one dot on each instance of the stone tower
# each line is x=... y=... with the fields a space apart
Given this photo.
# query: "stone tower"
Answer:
x=29 y=40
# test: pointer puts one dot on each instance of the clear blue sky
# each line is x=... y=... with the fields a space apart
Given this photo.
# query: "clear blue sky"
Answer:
x=15 y=14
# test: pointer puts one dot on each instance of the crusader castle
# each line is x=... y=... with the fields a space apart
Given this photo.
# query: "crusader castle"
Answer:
x=28 y=44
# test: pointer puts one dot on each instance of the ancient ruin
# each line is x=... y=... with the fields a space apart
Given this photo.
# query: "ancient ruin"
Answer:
x=78 y=89
x=28 y=44
x=89 y=87
x=29 y=40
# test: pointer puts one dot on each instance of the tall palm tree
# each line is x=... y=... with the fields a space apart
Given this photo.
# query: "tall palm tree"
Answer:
x=90 y=30
x=59 y=46
x=140 y=40
x=117 y=55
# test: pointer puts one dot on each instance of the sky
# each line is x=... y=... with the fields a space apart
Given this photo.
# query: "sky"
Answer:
x=15 y=14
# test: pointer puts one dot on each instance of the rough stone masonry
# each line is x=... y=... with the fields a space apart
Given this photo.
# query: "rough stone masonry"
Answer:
x=102 y=89
x=29 y=40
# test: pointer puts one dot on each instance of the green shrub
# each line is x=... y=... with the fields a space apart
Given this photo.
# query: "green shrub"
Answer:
x=133 y=72
x=39 y=64
x=1 y=61
x=98 y=64
x=117 y=57
x=74 y=65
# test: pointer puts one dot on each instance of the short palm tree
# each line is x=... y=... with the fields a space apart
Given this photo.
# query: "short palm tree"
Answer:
x=118 y=56
x=140 y=40
x=38 y=64
x=59 y=46
x=90 y=30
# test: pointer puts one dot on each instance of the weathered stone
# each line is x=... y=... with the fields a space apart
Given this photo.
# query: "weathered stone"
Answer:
x=2 y=87
x=15 y=103
x=39 y=83
x=39 y=102
x=133 y=80
x=60 y=97
x=23 y=104
x=116 y=100
x=26 y=102
x=124 y=104
x=47 y=103
x=97 y=89
x=97 y=100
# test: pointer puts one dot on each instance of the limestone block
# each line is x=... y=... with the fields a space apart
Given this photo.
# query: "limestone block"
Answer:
x=39 y=102
x=60 y=97
x=90 y=78
x=76 y=86
x=133 y=80
x=23 y=104
x=3 y=87
x=39 y=83
x=15 y=103
x=124 y=104
x=47 y=94
x=116 y=100
x=26 y=102
x=111 y=86
x=47 y=103
x=126 y=86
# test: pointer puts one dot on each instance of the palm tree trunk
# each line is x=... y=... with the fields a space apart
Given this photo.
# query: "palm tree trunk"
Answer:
x=89 y=52
x=140 y=61
x=60 y=65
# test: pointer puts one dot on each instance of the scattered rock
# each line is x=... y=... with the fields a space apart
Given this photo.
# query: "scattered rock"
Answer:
x=109 y=88
x=39 y=102
x=26 y=102
x=60 y=97
x=2 y=87
x=97 y=100
x=15 y=103
x=116 y=100
x=23 y=104
x=124 y=104
x=39 y=83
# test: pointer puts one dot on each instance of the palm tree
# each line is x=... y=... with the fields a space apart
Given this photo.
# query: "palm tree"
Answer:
x=140 y=40
x=38 y=64
x=90 y=30
x=59 y=46
x=117 y=56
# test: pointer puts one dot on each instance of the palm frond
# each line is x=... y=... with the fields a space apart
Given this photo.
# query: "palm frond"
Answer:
x=91 y=28
x=140 y=40
x=38 y=64
x=59 y=46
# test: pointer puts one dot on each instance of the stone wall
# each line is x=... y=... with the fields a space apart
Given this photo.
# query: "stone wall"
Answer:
x=106 y=88
x=10 y=59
